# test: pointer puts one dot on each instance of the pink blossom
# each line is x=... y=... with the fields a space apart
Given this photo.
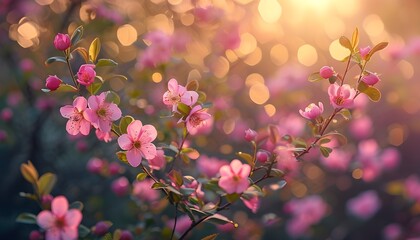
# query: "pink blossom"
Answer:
x=159 y=161
x=338 y=160
x=53 y=82
x=95 y=165
x=412 y=186
x=364 y=205
x=312 y=111
x=101 y=113
x=392 y=231
x=208 y=14
x=103 y=136
x=250 y=135
x=126 y=235
x=86 y=74
x=390 y=158
x=114 y=168
x=120 y=186
x=182 y=224
x=326 y=72
x=362 y=127
x=6 y=114
x=210 y=166
x=178 y=94
x=27 y=65
x=228 y=37
x=286 y=160
x=62 y=41
x=341 y=96
x=77 y=118
x=370 y=79
x=364 y=52
x=253 y=203
x=138 y=142
x=142 y=191
x=234 y=177
x=262 y=156
x=159 y=51
x=196 y=119
x=60 y=222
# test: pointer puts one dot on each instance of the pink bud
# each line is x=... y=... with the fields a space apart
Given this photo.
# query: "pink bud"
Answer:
x=53 y=82
x=371 y=79
x=3 y=136
x=120 y=186
x=114 y=168
x=312 y=111
x=326 y=72
x=35 y=235
x=95 y=165
x=46 y=201
x=126 y=235
x=262 y=156
x=6 y=114
x=101 y=228
x=364 y=52
x=250 y=135
x=62 y=41
x=81 y=146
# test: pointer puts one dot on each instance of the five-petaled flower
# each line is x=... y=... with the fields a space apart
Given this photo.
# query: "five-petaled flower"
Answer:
x=86 y=74
x=138 y=142
x=341 y=96
x=102 y=113
x=76 y=114
x=196 y=119
x=312 y=111
x=60 y=222
x=234 y=177
x=178 y=94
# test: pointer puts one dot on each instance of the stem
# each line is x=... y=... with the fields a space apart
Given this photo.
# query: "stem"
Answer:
x=182 y=144
x=71 y=71
x=176 y=219
x=347 y=69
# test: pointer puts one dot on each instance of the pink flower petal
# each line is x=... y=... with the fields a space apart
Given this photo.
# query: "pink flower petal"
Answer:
x=45 y=219
x=242 y=185
x=73 y=218
x=173 y=85
x=246 y=169
x=228 y=185
x=125 y=142
x=91 y=116
x=59 y=206
x=134 y=157
x=53 y=234
x=93 y=103
x=84 y=127
x=80 y=103
x=114 y=112
x=148 y=133
x=148 y=150
x=236 y=166
x=67 y=111
x=225 y=170
x=134 y=129
x=73 y=127
x=104 y=125
x=69 y=233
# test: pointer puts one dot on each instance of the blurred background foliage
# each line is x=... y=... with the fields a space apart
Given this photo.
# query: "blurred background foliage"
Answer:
x=252 y=59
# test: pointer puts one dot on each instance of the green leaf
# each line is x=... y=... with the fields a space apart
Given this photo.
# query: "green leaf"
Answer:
x=202 y=96
x=184 y=109
x=117 y=76
x=94 y=49
x=315 y=77
x=83 y=231
x=76 y=205
x=26 y=218
x=46 y=183
x=355 y=39
x=345 y=113
x=345 y=42
x=247 y=157
x=220 y=220
x=340 y=137
x=66 y=88
x=106 y=63
x=141 y=176
x=83 y=53
x=121 y=155
x=233 y=197
x=187 y=191
x=158 y=185
x=211 y=237
x=55 y=59
x=276 y=172
x=373 y=93
x=332 y=79
x=29 y=196
x=100 y=78
x=124 y=122
x=176 y=177
x=94 y=87
x=325 y=151
x=192 y=85
x=375 y=49
x=112 y=97
x=77 y=35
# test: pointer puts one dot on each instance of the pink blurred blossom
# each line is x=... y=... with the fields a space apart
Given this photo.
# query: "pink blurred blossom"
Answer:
x=86 y=74
x=234 y=177
x=27 y=65
x=208 y=14
x=53 y=82
x=142 y=191
x=250 y=135
x=103 y=136
x=159 y=51
x=95 y=165
x=392 y=231
x=120 y=186
x=253 y=203
x=364 y=205
x=36 y=235
x=312 y=111
x=138 y=142
x=286 y=160
x=326 y=72
x=159 y=161
x=371 y=79
x=228 y=37
x=361 y=127
x=412 y=186
x=3 y=135
x=76 y=114
x=114 y=168
x=178 y=94
x=60 y=222
x=210 y=166
x=14 y=98
x=341 y=96
x=6 y=114
x=182 y=224
x=102 y=113
x=390 y=158
x=338 y=160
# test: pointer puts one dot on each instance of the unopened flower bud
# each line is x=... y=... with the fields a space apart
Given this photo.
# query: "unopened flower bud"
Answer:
x=371 y=79
x=53 y=82
x=364 y=52
x=120 y=186
x=126 y=235
x=263 y=156
x=95 y=165
x=62 y=41
x=46 y=200
x=114 y=168
x=35 y=235
x=250 y=135
x=100 y=229
x=326 y=72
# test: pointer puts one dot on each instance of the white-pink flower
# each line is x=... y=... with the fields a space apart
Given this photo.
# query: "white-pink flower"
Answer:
x=159 y=161
x=341 y=96
x=312 y=111
x=234 y=177
x=196 y=119
x=101 y=113
x=364 y=205
x=60 y=222
x=77 y=118
x=178 y=94
x=138 y=142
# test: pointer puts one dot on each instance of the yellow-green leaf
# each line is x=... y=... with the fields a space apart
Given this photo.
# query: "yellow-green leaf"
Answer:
x=46 y=183
x=141 y=176
x=373 y=93
x=66 y=88
x=192 y=85
x=211 y=237
x=29 y=172
x=247 y=157
x=355 y=39
x=315 y=77
x=124 y=122
x=94 y=49
x=375 y=49
x=83 y=53
x=345 y=42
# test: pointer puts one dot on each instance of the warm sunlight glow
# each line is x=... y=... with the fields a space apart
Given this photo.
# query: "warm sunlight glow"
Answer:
x=337 y=51
x=270 y=10
x=307 y=55
x=126 y=34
